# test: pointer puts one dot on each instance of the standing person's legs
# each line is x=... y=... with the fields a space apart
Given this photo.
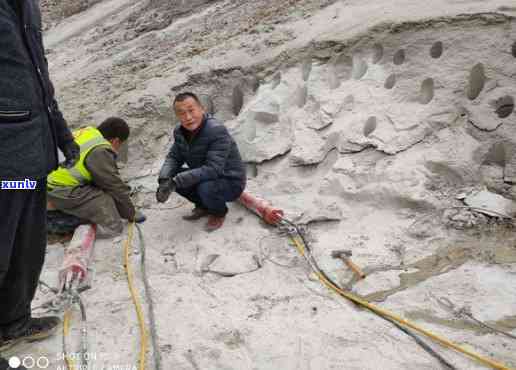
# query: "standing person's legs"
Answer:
x=23 y=240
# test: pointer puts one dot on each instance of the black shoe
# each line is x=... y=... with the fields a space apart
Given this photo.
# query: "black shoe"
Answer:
x=197 y=213
x=4 y=365
x=37 y=328
x=60 y=223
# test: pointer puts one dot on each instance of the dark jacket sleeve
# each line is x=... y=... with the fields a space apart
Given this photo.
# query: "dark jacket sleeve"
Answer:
x=63 y=134
x=61 y=130
x=173 y=162
x=217 y=154
x=101 y=162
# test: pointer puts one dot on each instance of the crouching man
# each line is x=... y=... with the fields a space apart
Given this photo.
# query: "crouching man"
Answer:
x=215 y=173
x=92 y=189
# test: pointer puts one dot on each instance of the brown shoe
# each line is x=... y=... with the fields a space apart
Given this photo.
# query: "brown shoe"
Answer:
x=196 y=214
x=214 y=222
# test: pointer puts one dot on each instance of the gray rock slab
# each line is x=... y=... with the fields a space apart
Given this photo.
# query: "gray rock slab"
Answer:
x=491 y=204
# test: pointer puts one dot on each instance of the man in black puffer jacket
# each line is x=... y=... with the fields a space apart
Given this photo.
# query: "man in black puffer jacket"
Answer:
x=31 y=128
x=215 y=173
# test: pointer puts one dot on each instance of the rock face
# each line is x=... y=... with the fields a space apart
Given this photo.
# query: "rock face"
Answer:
x=493 y=108
x=310 y=148
x=363 y=121
x=262 y=133
x=342 y=98
x=491 y=204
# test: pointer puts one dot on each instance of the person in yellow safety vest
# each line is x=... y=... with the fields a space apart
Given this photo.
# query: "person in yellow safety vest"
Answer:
x=92 y=189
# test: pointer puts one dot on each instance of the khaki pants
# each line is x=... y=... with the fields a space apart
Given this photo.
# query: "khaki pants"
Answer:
x=90 y=203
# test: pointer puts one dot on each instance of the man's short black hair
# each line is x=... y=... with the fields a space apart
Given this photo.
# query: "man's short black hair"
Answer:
x=185 y=95
x=114 y=127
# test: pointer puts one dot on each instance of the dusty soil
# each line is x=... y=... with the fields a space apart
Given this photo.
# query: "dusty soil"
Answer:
x=363 y=121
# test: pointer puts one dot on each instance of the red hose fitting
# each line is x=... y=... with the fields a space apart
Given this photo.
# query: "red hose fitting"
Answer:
x=262 y=208
x=79 y=253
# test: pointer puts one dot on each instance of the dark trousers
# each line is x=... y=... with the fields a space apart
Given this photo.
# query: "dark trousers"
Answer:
x=213 y=194
x=23 y=241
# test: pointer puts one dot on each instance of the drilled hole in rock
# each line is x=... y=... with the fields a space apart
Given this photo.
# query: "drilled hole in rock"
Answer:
x=427 y=91
x=266 y=117
x=390 y=81
x=301 y=95
x=505 y=106
x=252 y=169
x=377 y=53
x=340 y=68
x=333 y=78
x=343 y=65
x=514 y=49
x=359 y=68
x=276 y=80
x=495 y=155
x=370 y=126
x=348 y=102
x=306 y=68
x=445 y=173
x=238 y=100
x=436 y=50
x=250 y=131
x=477 y=80
x=254 y=83
x=207 y=103
x=399 y=57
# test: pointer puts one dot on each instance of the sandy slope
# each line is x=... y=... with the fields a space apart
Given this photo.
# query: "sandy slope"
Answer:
x=378 y=186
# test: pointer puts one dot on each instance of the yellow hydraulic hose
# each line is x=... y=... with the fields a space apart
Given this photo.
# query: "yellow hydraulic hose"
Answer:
x=66 y=329
x=137 y=305
x=362 y=302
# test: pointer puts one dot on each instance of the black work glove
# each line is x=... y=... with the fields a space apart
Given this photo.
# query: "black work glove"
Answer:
x=139 y=217
x=72 y=152
x=165 y=188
